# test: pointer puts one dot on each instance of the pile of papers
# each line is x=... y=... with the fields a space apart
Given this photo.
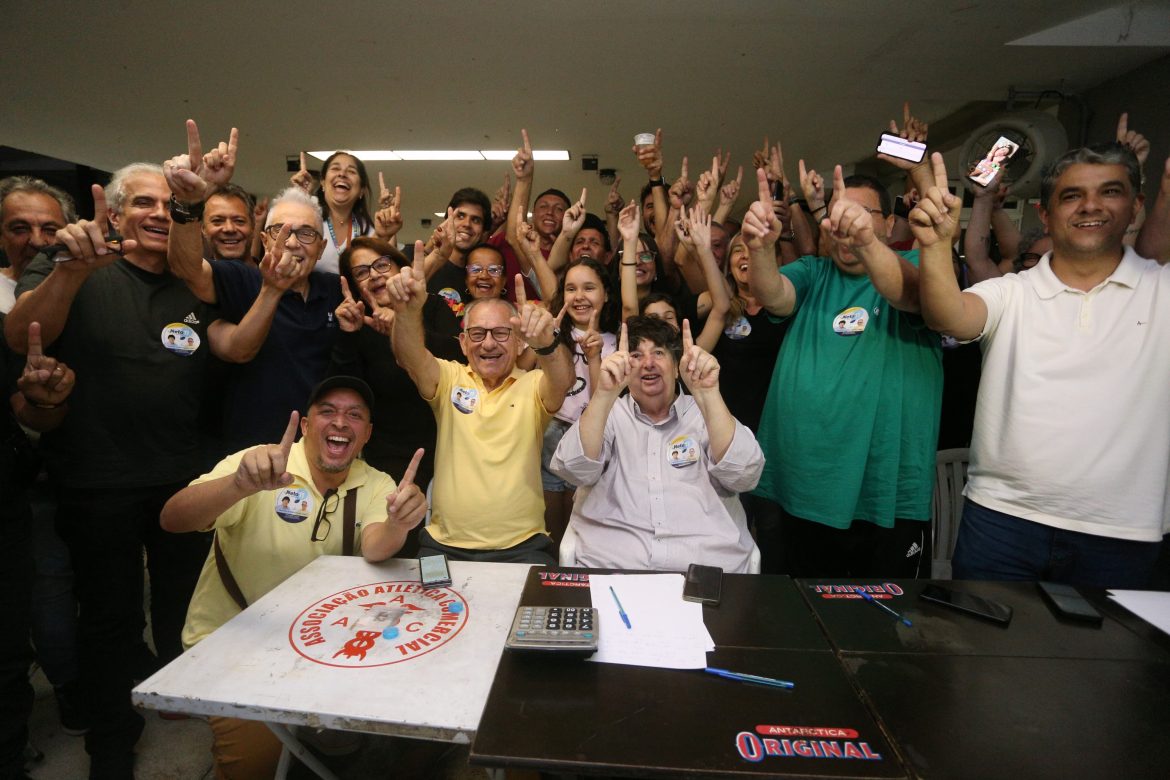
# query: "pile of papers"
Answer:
x=664 y=631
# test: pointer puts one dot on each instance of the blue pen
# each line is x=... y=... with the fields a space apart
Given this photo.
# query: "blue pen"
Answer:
x=872 y=600
x=622 y=612
x=749 y=678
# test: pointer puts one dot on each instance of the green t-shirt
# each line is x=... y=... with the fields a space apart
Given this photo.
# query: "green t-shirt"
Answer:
x=850 y=426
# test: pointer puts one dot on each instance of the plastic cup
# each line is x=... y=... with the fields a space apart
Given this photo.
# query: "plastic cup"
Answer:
x=644 y=139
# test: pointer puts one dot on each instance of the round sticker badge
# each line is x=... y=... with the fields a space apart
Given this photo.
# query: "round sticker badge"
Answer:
x=740 y=329
x=180 y=339
x=293 y=504
x=851 y=322
x=683 y=452
x=465 y=399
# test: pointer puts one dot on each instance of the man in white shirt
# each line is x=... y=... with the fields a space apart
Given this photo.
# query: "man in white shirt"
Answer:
x=1070 y=457
x=659 y=471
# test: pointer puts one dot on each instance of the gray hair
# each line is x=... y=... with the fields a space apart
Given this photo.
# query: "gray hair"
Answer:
x=1111 y=153
x=116 y=189
x=36 y=186
x=480 y=301
x=1029 y=238
x=296 y=195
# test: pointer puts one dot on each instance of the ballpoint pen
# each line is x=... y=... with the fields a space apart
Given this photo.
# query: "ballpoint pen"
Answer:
x=874 y=601
x=621 y=611
x=749 y=678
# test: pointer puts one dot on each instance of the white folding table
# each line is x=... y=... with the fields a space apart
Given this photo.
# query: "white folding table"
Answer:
x=346 y=644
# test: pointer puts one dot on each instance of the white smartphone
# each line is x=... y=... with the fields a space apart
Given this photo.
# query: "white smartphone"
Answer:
x=896 y=146
x=433 y=570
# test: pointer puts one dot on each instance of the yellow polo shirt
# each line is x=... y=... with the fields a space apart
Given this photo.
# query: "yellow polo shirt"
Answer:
x=266 y=538
x=487 y=493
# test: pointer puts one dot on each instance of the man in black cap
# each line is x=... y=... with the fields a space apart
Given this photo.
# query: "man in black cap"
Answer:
x=257 y=545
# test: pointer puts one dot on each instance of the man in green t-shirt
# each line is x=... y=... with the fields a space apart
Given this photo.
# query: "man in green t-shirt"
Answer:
x=851 y=422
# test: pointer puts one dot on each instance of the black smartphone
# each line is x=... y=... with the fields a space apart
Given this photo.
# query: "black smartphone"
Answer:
x=704 y=584
x=1067 y=602
x=896 y=146
x=965 y=602
x=433 y=570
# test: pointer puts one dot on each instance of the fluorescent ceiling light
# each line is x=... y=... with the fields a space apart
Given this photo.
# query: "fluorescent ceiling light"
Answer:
x=422 y=155
x=442 y=214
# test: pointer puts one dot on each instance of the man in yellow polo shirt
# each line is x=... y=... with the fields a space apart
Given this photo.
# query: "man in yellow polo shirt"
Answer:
x=487 y=503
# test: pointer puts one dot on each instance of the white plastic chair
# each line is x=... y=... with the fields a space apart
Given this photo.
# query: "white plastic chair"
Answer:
x=946 y=509
x=568 y=551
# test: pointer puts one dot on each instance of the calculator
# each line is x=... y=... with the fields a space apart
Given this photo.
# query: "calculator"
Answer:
x=559 y=629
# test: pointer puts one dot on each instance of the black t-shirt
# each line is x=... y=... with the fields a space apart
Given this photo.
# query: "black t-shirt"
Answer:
x=746 y=352
x=403 y=422
x=260 y=394
x=138 y=343
x=450 y=284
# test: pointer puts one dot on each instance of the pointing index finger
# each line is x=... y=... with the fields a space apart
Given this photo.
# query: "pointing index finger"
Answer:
x=765 y=188
x=561 y=316
x=233 y=143
x=382 y=183
x=527 y=144
x=1122 y=126
x=345 y=293
x=34 y=340
x=623 y=339
x=940 y=172
x=519 y=287
x=412 y=469
x=194 y=145
x=687 y=340
x=838 y=181
x=420 y=258
x=304 y=165
x=290 y=433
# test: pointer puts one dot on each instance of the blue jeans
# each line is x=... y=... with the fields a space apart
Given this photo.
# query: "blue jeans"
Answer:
x=997 y=546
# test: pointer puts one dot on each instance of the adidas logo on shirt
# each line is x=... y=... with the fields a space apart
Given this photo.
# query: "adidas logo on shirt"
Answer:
x=191 y=319
x=914 y=550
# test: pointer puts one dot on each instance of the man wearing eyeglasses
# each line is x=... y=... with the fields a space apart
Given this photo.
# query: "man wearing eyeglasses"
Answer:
x=277 y=321
x=487 y=501
x=259 y=543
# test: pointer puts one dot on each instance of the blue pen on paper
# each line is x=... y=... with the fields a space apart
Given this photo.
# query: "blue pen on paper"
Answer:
x=874 y=601
x=749 y=678
x=621 y=611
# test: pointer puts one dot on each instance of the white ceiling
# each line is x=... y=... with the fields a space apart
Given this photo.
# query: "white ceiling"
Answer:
x=107 y=83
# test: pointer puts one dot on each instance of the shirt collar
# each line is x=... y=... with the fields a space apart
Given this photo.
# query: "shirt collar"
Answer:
x=676 y=410
x=1048 y=285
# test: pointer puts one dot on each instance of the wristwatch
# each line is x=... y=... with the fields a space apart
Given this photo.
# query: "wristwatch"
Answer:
x=659 y=182
x=551 y=348
x=185 y=213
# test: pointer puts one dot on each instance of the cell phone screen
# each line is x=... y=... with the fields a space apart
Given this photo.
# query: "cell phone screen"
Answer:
x=996 y=157
x=433 y=570
x=896 y=146
x=965 y=602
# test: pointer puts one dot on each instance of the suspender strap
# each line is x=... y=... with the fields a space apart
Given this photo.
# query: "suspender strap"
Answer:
x=226 y=577
x=350 y=520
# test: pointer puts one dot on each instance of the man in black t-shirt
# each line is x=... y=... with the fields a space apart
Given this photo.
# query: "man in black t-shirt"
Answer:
x=129 y=440
x=469 y=213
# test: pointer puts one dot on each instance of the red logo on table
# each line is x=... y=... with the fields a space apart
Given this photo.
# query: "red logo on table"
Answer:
x=378 y=624
x=803 y=742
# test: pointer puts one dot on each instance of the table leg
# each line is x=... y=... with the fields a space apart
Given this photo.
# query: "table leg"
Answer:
x=293 y=745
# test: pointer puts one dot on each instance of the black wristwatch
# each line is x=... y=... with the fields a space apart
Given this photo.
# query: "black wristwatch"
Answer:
x=185 y=213
x=659 y=182
x=551 y=348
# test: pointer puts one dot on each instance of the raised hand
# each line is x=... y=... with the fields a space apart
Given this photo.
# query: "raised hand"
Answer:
x=219 y=164
x=913 y=129
x=522 y=164
x=775 y=165
x=407 y=504
x=936 y=217
x=349 y=312
x=812 y=186
x=708 y=184
x=694 y=229
x=848 y=220
x=729 y=193
x=760 y=224
x=698 y=368
x=388 y=218
x=408 y=288
x=682 y=190
x=443 y=238
x=263 y=467
x=280 y=268
x=86 y=240
x=615 y=369
x=1135 y=142
x=381 y=318
x=629 y=221
x=650 y=155
x=992 y=188
x=613 y=201
x=535 y=324
x=260 y=212
x=45 y=382
x=500 y=202
x=528 y=239
x=590 y=340
x=574 y=217
x=724 y=161
x=303 y=178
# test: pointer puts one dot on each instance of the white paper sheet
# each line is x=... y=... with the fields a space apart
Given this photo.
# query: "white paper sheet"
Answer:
x=1152 y=606
x=665 y=631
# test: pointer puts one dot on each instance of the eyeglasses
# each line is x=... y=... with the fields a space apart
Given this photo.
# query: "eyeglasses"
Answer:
x=493 y=270
x=383 y=265
x=1029 y=256
x=306 y=235
x=500 y=335
x=328 y=504
x=645 y=257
